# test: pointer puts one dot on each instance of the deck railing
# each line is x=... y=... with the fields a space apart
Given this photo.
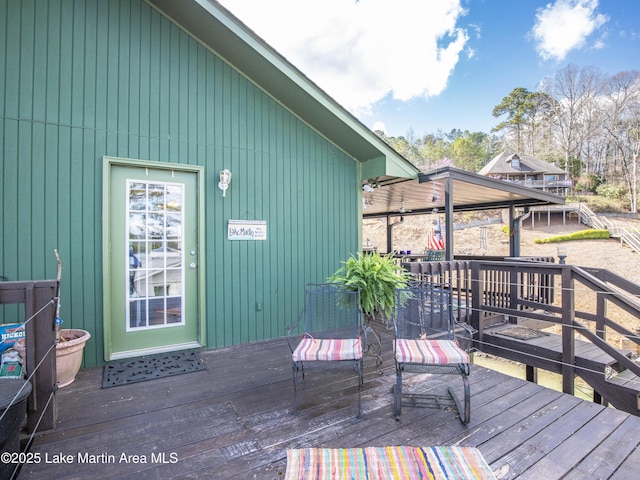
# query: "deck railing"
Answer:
x=39 y=300
x=499 y=290
x=542 y=291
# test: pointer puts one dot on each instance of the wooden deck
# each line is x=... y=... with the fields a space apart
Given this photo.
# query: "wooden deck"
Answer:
x=232 y=421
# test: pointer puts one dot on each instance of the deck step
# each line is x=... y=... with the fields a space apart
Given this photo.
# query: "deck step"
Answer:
x=621 y=390
x=626 y=378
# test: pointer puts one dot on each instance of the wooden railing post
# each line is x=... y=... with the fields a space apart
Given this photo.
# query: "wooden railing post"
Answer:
x=45 y=333
x=601 y=310
x=514 y=283
x=40 y=313
x=476 y=300
x=568 y=332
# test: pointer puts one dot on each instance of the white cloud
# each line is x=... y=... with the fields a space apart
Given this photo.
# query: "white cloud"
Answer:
x=361 y=52
x=379 y=127
x=565 y=25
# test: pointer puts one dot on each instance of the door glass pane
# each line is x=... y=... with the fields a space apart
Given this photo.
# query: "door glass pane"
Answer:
x=137 y=197
x=155 y=271
x=174 y=198
x=156 y=196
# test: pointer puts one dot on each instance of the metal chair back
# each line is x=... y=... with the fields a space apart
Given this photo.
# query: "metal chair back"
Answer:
x=423 y=312
x=332 y=311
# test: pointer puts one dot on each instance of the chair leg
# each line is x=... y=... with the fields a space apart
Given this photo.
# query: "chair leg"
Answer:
x=464 y=410
x=398 y=393
x=360 y=384
x=467 y=400
x=295 y=388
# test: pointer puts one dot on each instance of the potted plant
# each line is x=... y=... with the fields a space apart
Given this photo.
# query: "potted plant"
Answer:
x=70 y=344
x=376 y=276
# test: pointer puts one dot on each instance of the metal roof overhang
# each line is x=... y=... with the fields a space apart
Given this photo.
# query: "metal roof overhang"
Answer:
x=451 y=188
x=223 y=33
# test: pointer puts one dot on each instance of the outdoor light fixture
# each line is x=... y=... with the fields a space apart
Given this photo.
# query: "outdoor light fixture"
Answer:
x=367 y=188
x=225 y=180
x=562 y=255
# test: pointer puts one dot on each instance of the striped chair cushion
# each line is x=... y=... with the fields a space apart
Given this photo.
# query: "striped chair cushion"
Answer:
x=327 y=349
x=430 y=352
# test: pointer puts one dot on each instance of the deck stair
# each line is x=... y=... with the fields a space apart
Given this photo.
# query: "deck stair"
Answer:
x=582 y=348
x=631 y=237
x=589 y=218
x=628 y=236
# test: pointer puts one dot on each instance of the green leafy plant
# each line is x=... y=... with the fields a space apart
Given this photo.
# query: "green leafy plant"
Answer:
x=376 y=276
x=607 y=190
x=592 y=234
x=587 y=182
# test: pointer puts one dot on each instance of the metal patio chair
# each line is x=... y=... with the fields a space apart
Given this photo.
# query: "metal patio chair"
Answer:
x=332 y=334
x=425 y=343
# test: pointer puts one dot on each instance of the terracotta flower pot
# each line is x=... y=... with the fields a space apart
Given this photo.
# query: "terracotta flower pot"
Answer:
x=68 y=354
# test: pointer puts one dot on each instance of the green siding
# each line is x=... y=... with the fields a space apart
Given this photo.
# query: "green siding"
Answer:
x=88 y=79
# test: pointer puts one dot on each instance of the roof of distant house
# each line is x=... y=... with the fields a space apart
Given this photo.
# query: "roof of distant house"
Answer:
x=514 y=164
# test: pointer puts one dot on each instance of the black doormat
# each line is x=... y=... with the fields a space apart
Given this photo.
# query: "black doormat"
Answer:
x=140 y=369
x=522 y=333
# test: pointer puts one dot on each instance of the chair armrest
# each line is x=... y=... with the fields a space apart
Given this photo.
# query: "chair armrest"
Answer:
x=294 y=326
x=472 y=331
x=366 y=329
x=469 y=330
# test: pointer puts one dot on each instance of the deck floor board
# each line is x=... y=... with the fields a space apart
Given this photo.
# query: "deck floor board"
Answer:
x=233 y=421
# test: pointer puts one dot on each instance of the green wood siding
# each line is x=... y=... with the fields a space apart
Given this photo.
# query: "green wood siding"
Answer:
x=88 y=79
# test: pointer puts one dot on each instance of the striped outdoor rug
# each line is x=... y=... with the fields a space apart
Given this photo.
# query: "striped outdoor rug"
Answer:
x=387 y=463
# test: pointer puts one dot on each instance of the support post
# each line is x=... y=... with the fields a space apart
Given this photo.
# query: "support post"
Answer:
x=568 y=332
x=448 y=218
x=531 y=374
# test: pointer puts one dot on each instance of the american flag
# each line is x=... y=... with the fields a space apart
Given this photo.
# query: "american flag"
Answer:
x=436 y=242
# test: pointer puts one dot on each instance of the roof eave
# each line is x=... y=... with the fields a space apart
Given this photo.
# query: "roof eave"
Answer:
x=220 y=31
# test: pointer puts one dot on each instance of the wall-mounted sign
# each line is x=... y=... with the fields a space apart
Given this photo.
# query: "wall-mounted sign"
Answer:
x=247 y=230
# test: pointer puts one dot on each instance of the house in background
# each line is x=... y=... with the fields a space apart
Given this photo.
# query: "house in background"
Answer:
x=529 y=171
x=191 y=178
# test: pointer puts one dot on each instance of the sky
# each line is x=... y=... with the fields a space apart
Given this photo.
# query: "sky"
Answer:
x=423 y=66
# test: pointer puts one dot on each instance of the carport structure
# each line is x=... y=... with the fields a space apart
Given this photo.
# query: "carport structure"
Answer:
x=451 y=190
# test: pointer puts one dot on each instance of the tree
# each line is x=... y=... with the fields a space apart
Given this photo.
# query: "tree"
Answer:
x=575 y=91
x=468 y=152
x=540 y=111
x=585 y=121
x=517 y=106
x=621 y=114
